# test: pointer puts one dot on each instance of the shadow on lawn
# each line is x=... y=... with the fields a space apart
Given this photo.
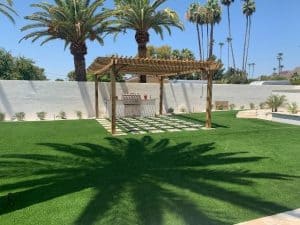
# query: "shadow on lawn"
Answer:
x=154 y=175
x=198 y=120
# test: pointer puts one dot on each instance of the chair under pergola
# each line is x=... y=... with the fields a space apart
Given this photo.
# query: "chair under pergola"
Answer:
x=159 y=68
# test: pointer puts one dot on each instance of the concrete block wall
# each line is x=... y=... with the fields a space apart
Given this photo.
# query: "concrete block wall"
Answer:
x=52 y=97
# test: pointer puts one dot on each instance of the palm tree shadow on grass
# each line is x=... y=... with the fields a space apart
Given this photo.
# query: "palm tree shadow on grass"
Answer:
x=198 y=120
x=150 y=174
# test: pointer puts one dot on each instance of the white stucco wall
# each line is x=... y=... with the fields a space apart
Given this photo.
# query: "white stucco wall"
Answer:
x=52 y=97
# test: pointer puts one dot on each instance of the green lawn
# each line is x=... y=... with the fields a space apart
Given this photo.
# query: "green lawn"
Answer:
x=74 y=172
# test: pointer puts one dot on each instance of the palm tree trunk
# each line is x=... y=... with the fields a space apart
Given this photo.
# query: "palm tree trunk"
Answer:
x=202 y=38
x=248 y=41
x=228 y=55
x=80 y=67
x=207 y=41
x=79 y=50
x=199 y=41
x=211 y=44
x=245 y=44
x=142 y=38
x=230 y=35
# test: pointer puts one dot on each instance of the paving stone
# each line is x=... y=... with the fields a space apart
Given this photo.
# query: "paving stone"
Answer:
x=156 y=131
x=173 y=130
x=190 y=129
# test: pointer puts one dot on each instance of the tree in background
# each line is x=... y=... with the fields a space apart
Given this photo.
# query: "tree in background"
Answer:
x=142 y=16
x=228 y=3
x=7 y=10
x=197 y=14
x=19 y=68
x=71 y=76
x=295 y=79
x=234 y=76
x=74 y=22
x=248 y=9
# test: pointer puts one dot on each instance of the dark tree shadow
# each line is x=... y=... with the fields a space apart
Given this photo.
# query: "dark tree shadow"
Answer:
x=198 y=120
x=143 y=169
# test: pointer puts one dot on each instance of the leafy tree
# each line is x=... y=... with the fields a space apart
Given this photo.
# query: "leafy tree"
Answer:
x=7 y=10
x=74 y=22
x=234 y=76
x=91 y=77
x=276 y=101
x=142 y=16
x=295 y=79
x=19 y=68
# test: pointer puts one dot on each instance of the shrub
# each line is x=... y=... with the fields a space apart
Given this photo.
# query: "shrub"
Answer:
x=182 y=109
x=242 y=107
x=79 y=115
x=295 y=79
x=232 y=106
x=62 y=115
x=252 y=105
x=2 y=116
x=170 y=110
x=41 y=115
x=262 y=105
x=20 y=116
x=293 y=108
x=276 y=101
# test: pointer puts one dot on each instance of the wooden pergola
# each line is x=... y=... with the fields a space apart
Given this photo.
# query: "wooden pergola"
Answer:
x=151 y=67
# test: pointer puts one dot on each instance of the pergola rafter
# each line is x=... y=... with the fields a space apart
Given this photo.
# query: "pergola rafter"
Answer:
x=147 y=66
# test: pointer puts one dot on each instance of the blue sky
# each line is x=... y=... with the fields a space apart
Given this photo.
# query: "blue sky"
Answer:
x=275 y=29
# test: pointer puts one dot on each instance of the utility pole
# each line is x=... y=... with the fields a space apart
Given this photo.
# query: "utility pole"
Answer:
x=221 y=44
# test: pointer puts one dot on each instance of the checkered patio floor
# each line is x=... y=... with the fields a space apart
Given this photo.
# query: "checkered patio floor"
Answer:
x=151 y=125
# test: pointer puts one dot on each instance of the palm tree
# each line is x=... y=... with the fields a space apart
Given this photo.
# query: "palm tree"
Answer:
x=7 y=10
x=228 y=3
x=276 y=101
x=248 y=9
x=142 y=16
x=274 y=70
x=74 y=22
x=196 y=14
x=279 y=58
x=213 y=17
x=221 y=44
x=228 y=40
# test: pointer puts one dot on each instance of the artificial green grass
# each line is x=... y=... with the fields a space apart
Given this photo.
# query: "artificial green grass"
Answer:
x=74 y=172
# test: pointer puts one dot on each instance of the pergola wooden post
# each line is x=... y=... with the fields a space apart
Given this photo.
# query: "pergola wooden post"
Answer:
x=113 y=75
x=209 y=99
x=152 y=67
x=96 y=97
x=161 y=95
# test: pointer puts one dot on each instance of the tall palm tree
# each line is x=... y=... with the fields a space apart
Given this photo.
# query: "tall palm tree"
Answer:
x=142 y=16
x=7 y=10
x=228 y=3
x=213 y=17
x=221 y=44
x=248 y=9
x=74 y=22
x=279 y=58
x=228 y=40
x=196 y=14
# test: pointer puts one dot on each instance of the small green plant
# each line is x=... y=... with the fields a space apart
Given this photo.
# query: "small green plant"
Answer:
x=62 y=115
x=232 y=106
x=276 y=101
x=242 y=107
x=252 y=105
x=79 y=115
x=20 y=116
x=2 y=116
x=41 y=115
x=170 y=110
x=262 y=105
x=293 y=108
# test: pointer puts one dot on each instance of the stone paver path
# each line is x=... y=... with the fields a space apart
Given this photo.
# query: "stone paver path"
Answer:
x=151 y=125
x=286 y=218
